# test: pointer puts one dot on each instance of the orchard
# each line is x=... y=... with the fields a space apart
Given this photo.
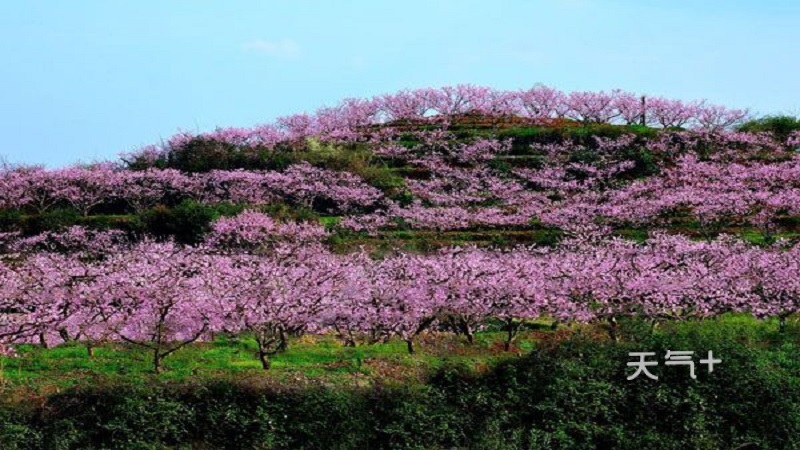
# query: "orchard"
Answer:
x=421 y=227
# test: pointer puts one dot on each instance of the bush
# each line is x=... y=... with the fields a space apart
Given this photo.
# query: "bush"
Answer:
x=17 y=429
x=780 y=126
x=55 y=219
x=286 y=213
x=119 y=417
x=203 y=154
x=10 y=220
x=187 y=222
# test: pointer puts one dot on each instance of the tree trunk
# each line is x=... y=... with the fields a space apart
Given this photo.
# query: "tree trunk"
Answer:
x=90 y=349
x=410 y=346
x=283 y=341
x=782 y=323
x=644 y=112
x=157 y=361
x=511 y=330
x=42 y=340
x=347 y=337
x=612 y=329
x=467 y=330
x=64 y=335
x=264 y=358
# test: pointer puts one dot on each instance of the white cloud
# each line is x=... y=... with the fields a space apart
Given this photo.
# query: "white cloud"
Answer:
x=281 y=48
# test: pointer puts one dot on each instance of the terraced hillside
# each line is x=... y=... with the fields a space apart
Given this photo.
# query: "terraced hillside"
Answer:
x=423 y=240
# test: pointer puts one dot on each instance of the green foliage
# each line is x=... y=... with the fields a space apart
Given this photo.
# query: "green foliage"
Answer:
x=335 y=157
x=780 y=126
x=500 y=165
x=10 y=220
x=17 y=429
x=403 y=198
x=277 y=159
x=568 y=393
x=633 y=234
x=330 y=222
x=187 y=222
x=381 y=177
x=105 y=222
x=285 y=212
x=354 y=158
x=55 y=219
x=118 y=417
x=646 y=163
x=203 y=154
x=583 y=135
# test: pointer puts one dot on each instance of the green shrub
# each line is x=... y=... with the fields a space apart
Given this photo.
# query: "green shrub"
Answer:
x=55 y=219
x=120 y=417
x=17 y=429
x=284 y=212
x=187 y=222
x=780 y=126
x=274 y=159
x=10 y=220
x=203 y=154
x=500 y=165
x=381 y=177
x=105 y=222
x=582 y=135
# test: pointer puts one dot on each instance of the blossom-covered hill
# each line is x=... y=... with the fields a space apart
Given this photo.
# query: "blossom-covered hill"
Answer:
x=438 y=163
x=273 y=231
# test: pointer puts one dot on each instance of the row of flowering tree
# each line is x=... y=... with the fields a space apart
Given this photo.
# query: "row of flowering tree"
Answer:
x=714 y=193
x=354 y=119
x=255 y=279
x=716 y=177
x=86 y=188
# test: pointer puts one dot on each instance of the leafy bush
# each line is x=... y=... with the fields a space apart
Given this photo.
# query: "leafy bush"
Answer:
x=51 y=220
x=780 y=126
x=187 y=222
x=17 y=429
x=202 y=155
x=10 y=220
x=286 y=213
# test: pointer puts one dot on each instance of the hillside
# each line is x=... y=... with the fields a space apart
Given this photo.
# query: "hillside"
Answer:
x=383 y=173
x=408 y=260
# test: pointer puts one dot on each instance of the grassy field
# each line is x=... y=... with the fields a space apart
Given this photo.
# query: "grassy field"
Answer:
x=323 y=359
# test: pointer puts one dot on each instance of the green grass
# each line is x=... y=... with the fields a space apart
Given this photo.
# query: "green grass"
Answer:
x=330 y=221
x=308 y=356
x=324 y=358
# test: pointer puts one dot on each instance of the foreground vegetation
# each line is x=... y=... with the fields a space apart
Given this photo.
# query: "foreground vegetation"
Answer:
x=563 y=388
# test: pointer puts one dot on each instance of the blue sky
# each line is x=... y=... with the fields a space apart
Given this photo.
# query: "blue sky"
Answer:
x=84 y=80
